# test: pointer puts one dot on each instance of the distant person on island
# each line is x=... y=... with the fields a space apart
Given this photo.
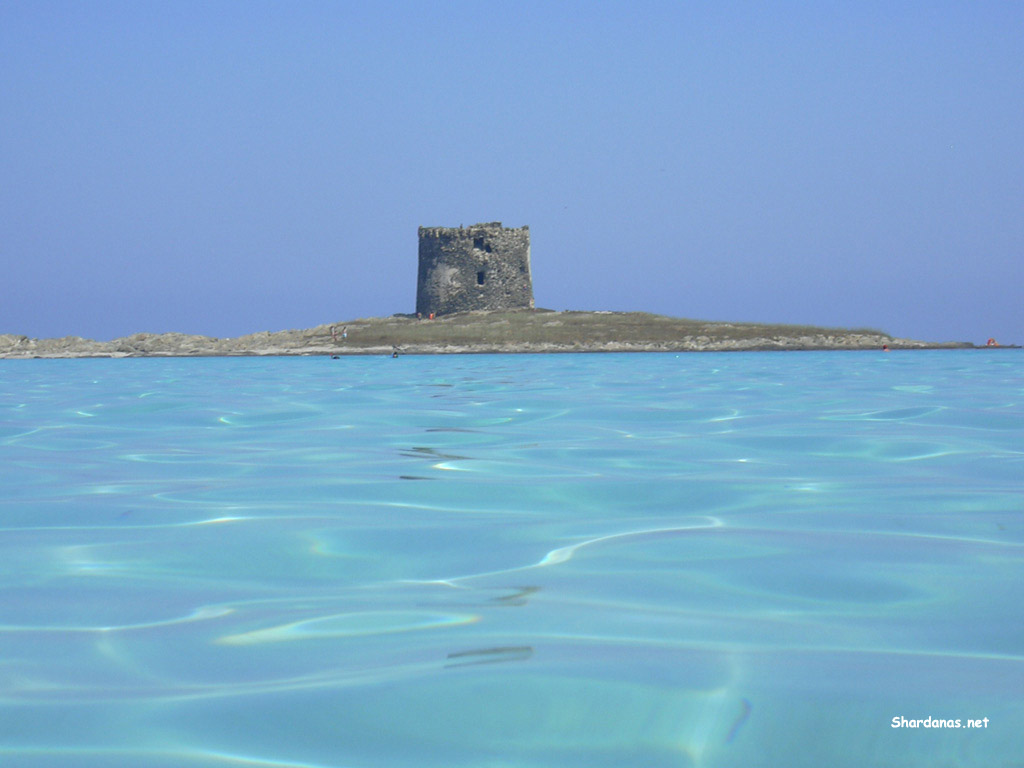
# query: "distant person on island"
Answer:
x=344 y=332
x=334 y=333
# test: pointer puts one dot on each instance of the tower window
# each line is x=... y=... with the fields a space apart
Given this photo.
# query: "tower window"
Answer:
x=478 y=243
x=479 y=278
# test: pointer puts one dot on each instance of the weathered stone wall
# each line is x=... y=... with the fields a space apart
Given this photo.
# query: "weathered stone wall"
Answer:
x=485 y=266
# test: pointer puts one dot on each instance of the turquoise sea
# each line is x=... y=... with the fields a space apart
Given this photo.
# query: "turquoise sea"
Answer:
x=513 y=561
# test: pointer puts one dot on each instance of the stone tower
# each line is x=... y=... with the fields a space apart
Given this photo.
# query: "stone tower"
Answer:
x=485 y=266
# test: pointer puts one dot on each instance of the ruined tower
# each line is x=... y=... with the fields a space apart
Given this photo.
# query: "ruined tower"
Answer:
x=485 y=266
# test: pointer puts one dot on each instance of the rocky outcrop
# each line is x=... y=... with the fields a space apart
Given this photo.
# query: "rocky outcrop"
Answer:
x=478 y=332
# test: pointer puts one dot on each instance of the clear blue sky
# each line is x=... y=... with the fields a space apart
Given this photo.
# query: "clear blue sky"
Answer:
x=228 y=167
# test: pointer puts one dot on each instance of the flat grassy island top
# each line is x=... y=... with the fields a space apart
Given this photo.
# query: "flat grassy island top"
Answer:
x=535 y=330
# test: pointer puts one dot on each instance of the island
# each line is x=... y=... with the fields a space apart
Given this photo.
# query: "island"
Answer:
x=481 y=331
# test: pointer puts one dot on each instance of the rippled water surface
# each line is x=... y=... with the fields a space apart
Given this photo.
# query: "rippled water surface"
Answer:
x=509 y=561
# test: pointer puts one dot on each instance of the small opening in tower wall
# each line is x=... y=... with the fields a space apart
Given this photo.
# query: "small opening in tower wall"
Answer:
x=481 y=245
x=479 y=278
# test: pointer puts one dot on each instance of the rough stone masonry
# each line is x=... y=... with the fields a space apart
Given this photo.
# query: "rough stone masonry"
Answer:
x=481 y=267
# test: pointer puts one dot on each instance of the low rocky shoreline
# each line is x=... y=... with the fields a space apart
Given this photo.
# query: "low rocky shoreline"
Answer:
x=526 y=331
